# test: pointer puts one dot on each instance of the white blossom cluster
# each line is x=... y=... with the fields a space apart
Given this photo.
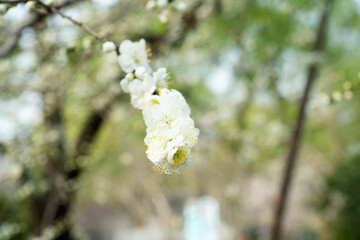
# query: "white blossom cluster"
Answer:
x=166 y=7
x=170 y=130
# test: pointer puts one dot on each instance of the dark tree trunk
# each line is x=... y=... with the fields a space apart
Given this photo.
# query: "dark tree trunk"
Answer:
x=295 y=140
x=53 y=207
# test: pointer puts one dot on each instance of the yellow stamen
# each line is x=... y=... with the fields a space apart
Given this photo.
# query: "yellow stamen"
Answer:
x=179 y=157
x=154 y=101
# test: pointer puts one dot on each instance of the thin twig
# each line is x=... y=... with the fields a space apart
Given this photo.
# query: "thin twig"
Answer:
x=295 y=140
x=16 y=2
x=11 y=42
x=80 y=24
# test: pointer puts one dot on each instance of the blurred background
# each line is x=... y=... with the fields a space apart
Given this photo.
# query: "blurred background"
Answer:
x=72 y=155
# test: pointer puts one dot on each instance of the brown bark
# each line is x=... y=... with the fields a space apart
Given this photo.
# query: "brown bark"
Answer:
x=54 y=205
x=295 y=140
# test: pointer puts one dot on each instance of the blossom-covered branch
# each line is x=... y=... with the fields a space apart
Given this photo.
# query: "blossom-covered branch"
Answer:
x=188 y=20
x=170 y=130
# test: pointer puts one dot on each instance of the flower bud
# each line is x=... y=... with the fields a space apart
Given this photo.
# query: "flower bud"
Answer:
x=30 y=5
x=108 y=47
x=129 y=76
x=49 y=2
x=150 y=4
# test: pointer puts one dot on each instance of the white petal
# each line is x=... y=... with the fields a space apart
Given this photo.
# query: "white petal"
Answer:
x=126 y=63
x=140 y=72
x=149 y=84
x=126 y=47
x=124 y=85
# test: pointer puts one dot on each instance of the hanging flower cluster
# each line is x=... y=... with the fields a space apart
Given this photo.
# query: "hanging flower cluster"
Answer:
x=170 y=130
x=166 y=7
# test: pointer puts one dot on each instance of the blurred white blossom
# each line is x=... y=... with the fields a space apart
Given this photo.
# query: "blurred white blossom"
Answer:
x=166 y=8
x=337 y=96
x=150 y=4
x=162 y=3
x=30 y=5
x=164 y=16
x=348 y=95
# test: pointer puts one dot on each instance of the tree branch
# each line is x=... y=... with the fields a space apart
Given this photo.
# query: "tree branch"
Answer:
x=12 y=41
x=79 y=24
x=295 y=140
x=15 y=2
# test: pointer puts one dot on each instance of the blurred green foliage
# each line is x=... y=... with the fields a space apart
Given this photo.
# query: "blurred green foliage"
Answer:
x=263 y=45
x=342 y=196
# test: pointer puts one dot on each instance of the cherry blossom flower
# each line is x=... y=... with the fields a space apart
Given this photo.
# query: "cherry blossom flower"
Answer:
x=133 y=55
